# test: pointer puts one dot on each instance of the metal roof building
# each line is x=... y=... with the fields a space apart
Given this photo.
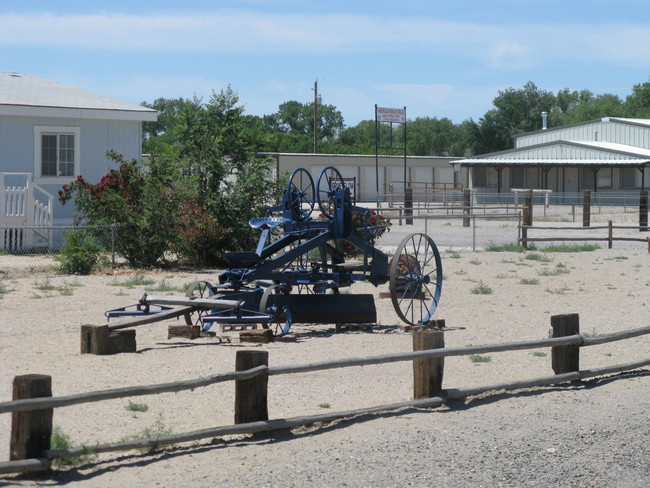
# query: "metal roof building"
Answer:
x=604 y=155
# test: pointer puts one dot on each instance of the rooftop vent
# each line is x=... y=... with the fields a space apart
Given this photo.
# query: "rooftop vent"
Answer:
x=544 y=120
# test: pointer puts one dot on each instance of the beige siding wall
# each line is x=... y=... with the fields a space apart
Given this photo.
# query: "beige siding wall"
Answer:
x=363 y=168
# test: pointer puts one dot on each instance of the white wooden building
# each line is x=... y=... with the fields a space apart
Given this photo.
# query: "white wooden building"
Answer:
x=608 y=155
x=367 y=172
x=49 y=134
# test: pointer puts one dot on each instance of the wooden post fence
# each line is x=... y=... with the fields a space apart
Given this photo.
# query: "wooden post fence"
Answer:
x=251 y=395
x=467 y=206
x=586 y=208
x=408 y=205
x=428 y=372
x=33 y=403
x=565 y=359
x=31 y=431
x=643 y=211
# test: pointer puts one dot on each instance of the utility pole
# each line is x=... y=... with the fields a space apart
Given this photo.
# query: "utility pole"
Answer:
x=315 y=116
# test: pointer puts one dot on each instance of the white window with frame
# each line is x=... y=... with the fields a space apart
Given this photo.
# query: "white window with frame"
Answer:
x=604 y=176
x=56 y=153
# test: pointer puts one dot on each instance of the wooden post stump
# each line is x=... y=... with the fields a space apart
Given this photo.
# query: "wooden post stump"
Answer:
x=122 y=341
x=467 y=206
x=186 y=331
x=94 y=339
x=565 y=359
x=427 y=373
x=97 y=339
x=408 y=205
x=31 y=431
x=251 y=395
x=643 y=211
x=586 y=208
x=263 y=336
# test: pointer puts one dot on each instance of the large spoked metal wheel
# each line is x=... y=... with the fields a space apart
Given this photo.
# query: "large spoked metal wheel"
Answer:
x=274 y=303
x=301 y=194
x=415 y=279
x=198 y=289
x=329 y=181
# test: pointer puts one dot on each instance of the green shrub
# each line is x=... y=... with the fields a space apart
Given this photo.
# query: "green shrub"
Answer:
x=481 y=289
x=571 y=248
x=59 y=441
x=80 y=253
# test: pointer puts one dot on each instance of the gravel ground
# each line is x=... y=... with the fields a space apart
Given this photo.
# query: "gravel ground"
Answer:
x=596 y=434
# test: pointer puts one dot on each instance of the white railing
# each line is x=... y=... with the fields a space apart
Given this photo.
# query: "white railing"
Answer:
x=20 y=207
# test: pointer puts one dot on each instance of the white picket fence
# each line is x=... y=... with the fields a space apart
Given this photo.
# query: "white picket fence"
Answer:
x=21 y=214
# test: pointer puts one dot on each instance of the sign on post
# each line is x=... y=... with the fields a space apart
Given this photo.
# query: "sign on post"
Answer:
x=395 y=115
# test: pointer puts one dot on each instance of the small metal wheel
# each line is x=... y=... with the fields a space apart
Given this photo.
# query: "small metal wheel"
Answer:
x=301 y=194
x=281 y=321
x=329 y=181
x=198 y=289
x=415 y=279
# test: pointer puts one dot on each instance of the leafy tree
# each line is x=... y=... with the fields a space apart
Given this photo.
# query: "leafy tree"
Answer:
x=637 y=104
x=217 y=144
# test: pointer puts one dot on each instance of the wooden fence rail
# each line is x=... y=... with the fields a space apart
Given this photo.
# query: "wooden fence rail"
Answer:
x=565 y=344
x=524 y=229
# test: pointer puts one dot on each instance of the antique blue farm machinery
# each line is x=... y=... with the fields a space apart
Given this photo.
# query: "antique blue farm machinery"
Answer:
x=298 y=270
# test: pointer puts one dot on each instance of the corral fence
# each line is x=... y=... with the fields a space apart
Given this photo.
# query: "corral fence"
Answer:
x=33 y=405
x=587 y=203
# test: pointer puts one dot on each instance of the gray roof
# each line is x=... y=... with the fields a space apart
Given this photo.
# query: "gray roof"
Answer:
x=627 y=155
x=23 y=94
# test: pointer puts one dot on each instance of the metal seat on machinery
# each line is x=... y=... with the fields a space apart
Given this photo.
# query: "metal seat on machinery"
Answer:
x=267 y=222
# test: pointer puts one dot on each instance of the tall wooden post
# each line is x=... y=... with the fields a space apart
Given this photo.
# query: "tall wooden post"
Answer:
x=31 y=431
x=586 y=208
x=467 y=207
x=408 y=205
x=251 y=395
x=428 y=372
x=565 y=359
x=643 y=211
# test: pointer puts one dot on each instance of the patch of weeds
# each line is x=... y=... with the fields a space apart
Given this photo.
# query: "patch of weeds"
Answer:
x=452 y=255
x=539 y=354
x=460 y=272
x=478 y=358
x=137 y=280
x=475 y=262
x=3 y=288
x=527 y=281
x=137 y=407
x=507 y=248
x=637 y=267
x=537 y=257
x=158 y=429
x=481 y=289
x=165 y=286
x=325 y=405
x=558 y=270
x=558 y=291
x=59 y=441
x=593 y=333
x=571 y=248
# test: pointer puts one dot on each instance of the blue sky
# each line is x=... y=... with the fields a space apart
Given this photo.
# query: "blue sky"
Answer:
x=438 y=58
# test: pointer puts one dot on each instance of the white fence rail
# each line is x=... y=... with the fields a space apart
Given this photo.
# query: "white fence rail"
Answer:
x=19 y=206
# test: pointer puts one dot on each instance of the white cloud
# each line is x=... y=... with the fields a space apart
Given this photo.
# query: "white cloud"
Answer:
x=246 y=31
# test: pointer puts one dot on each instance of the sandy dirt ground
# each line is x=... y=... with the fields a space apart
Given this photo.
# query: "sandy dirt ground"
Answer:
x=596 y=434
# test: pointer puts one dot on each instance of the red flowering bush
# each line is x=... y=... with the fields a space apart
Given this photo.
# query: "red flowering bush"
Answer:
x=359 y=223
x=141 y=202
